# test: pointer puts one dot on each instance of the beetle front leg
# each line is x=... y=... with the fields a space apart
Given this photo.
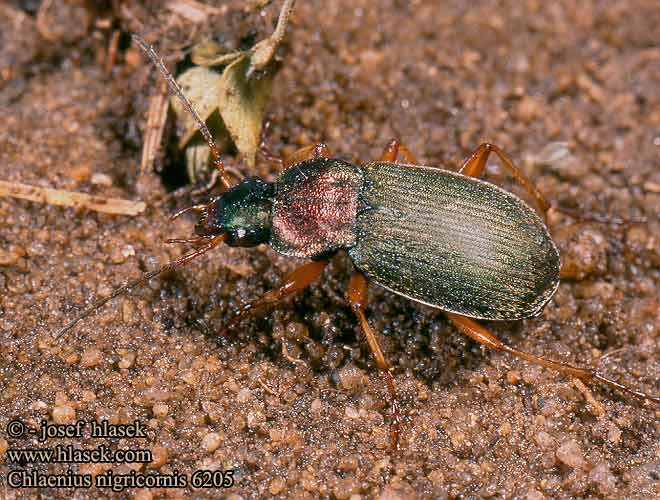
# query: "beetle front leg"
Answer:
x=296 y=281
x=475 y=165
x=392 y=150
x=357 y=296
x=485 y=337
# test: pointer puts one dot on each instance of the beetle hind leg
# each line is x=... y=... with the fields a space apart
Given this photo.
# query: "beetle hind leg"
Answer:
x=357 y=296
x=485 y=337
x=475 y=165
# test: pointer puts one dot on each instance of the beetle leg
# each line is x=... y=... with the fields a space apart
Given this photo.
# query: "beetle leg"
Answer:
x=392 y=150
x=196 y=241
x=310 y=152
x=264 y=150
x=357 y=296
x=475 y=165
x=485 y=337
x=297 y=280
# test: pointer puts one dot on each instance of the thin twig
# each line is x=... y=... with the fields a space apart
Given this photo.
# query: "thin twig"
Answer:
x=153 y=133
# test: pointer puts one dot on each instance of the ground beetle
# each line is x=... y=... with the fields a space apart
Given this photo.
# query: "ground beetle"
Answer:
x=445 y=239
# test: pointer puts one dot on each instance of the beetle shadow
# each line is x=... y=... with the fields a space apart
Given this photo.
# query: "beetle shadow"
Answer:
x=415 y=337
x=424 y=341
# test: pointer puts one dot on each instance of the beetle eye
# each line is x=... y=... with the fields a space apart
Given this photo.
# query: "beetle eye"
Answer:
x=242 y=237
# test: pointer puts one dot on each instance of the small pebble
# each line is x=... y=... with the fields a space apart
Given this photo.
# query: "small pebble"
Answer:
x=397 y=491
x=348 y=463
x=255 y=418
x=160 y=410
x=544 y=440
x=528 y=109
x=238 y=423
x=63 y=22
x=276 y=486
x=127 y=360
x=571 y=454
x=160 y=456
x=211 y=441
x=91 y=357
x=352 y=378
x=602 y=477
x=614 y=434
x=143 y=494
x=276 y=435
x=296 y=331
x=71 y=358
x=533 y=494
x=244 y=395
x=64 y=414
x=345 y=488
x=583 y=252
x=88 y=396
x=513 y=377
x=437 y=477
x=352 y=412
x=190 y=377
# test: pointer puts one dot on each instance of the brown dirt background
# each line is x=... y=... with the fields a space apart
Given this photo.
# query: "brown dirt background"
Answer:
x=295 y=402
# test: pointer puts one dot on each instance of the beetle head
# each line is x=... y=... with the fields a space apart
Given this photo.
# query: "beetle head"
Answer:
x=243 y=213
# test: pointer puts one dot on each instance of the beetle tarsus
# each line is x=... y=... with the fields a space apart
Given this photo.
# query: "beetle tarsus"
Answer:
x=485 y=337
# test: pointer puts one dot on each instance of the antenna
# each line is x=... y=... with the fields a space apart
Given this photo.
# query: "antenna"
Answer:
x=212 y=243
x=176 y=90
x=207 y=243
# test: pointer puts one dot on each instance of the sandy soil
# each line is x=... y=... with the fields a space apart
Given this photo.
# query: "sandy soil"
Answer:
x=293 y=403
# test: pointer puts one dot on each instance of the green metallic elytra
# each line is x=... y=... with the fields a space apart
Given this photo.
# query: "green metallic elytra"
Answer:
x=453 y=242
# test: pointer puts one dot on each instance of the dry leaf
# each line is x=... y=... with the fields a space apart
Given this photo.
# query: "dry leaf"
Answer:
x=209 y=53
x=262 y=53
x=200 y=85
x=240 y=94
x=241 y=103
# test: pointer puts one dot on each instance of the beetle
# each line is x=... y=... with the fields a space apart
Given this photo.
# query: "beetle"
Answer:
x=446 y=239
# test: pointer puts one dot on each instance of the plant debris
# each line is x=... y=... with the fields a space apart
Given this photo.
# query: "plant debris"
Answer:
x=71 y=199
x=153 y=133
x=239 y=93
